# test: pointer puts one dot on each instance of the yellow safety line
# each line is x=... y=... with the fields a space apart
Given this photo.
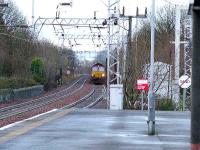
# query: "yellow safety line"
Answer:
x=21 y=131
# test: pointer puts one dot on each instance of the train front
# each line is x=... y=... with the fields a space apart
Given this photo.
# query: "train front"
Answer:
x=98 y=74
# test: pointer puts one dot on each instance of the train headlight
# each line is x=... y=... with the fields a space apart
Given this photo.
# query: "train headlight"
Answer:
x=103 y=75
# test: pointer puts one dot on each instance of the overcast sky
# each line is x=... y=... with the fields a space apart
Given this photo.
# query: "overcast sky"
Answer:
x=80 y=8
x=84 y=8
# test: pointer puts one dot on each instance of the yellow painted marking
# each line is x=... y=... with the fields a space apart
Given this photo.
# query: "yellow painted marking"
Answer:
x=21 y=131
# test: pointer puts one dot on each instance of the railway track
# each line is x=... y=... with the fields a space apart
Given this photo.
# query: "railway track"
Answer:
x=79 y=95
x=94 y=98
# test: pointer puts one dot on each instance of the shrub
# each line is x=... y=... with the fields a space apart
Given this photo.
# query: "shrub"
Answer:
x=165 y=104
x=37 y=69
x=15 y=82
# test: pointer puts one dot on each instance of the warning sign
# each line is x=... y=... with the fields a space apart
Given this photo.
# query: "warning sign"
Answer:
x=142 y=84
x=184 y=81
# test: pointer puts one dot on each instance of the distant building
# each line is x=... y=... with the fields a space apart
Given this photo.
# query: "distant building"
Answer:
x=163 y=83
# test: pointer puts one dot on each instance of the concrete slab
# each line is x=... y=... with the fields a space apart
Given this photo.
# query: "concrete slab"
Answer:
x=84 y=129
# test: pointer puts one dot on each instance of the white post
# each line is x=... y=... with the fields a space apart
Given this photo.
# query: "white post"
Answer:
x=177 y=55
x=142 y=94
x=184 y=98
x=33 y=12
x=125 y=52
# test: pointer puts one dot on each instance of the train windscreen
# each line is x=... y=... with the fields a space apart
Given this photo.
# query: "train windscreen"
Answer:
x=101 y=68
x=98 y=68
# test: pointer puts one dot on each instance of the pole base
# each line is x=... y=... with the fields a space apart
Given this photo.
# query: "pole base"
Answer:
x=151 y=127
x=195 y=146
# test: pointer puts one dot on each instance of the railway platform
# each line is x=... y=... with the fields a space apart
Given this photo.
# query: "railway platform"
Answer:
x=98 y=129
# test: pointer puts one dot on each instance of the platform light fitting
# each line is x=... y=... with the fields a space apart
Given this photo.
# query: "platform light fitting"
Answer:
x=4 y=5
x=146 y=11
x=66 y=4
x=104 y=22
x=116 y=22
x=95 y=15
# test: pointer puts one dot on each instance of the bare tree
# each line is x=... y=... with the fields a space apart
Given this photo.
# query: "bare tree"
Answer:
x=139 y=54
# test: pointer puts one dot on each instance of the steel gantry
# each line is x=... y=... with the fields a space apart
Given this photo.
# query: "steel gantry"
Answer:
x=187 y=59
x=187 y=54
x=113 y=74
x=114 y=41
x=62 y=24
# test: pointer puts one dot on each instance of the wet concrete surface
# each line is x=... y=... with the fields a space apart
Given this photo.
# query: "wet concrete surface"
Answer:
x=96 y=129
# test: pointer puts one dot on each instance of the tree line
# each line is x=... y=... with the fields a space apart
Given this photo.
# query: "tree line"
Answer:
x=139 y=51
x=21 y=51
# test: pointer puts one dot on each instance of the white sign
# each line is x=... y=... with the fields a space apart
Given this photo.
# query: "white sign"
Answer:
x=142 y=84
x=184 y=81
x=142 y=81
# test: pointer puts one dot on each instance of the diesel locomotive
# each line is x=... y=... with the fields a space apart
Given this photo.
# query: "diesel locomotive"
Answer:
x=98 y=74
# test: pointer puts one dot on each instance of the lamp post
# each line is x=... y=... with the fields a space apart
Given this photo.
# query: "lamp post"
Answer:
x=177 y=54
x=151 y=94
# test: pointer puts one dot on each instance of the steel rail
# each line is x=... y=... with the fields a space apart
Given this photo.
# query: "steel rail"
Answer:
x=100 y=98
x=40 y=105
x=38 y=99
x=36 y=103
